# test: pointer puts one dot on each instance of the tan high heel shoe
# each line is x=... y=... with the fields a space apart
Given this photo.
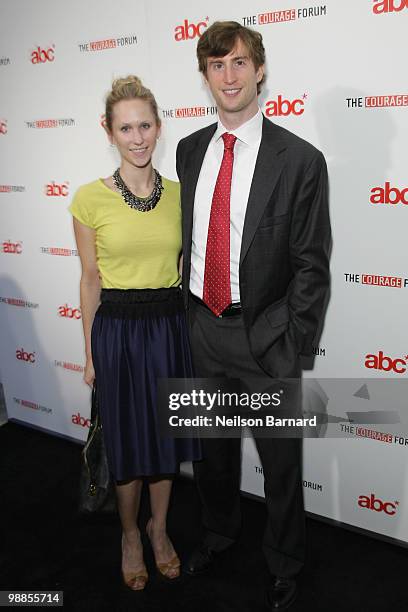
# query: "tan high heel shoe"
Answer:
x=169 y=570
x=135 y=579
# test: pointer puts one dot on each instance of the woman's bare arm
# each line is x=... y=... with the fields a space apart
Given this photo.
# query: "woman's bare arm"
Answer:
x=90 y=288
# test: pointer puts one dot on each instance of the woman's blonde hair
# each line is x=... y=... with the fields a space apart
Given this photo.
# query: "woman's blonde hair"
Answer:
x=129 y=88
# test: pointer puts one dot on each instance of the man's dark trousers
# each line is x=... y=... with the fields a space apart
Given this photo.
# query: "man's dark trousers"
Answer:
x=220 y=350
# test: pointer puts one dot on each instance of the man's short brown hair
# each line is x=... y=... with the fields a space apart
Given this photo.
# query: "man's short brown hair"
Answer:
x=219 y=40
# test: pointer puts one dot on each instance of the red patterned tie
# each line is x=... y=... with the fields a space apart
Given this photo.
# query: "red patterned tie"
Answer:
x=217 y=282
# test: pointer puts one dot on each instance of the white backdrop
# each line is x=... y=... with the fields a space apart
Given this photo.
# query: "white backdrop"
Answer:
x=336 y=76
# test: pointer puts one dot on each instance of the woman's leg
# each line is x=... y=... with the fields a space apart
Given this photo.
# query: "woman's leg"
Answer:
x=156 y=528
x=133 y=567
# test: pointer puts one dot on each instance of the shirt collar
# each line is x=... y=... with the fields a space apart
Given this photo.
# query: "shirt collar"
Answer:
x=249 y=132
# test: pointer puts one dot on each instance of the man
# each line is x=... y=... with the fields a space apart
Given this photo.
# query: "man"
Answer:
x=256 y=239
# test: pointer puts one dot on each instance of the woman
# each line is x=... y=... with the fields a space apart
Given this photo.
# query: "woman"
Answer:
x=128 y=232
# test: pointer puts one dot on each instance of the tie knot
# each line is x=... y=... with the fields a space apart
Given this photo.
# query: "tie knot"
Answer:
x=229 y=140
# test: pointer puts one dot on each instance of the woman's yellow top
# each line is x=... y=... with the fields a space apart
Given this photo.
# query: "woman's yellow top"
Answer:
x=134 y=250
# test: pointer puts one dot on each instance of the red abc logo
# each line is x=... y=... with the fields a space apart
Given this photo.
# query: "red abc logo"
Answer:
x=14 y=248
x=3 y=126
x=386 y=364
x=389 y=6
x=389 y=195
x=373 y=503
x=68 y=312
x=283 y=108
x=54 y=190
x=41 y=56
x=22 y=355
x=78 y=419
x=188 y=31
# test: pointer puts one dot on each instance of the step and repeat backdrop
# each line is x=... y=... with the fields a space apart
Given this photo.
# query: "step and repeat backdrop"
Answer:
x=336 y=75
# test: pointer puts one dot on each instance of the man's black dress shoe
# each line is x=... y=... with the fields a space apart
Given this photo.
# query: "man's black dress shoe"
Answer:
x=200 y=561
x=281 y=594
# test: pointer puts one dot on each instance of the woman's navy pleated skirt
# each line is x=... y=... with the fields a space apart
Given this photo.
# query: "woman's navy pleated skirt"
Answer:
x=138 y=336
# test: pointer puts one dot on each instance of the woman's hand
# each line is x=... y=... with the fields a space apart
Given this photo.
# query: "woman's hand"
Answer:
x=89 y=372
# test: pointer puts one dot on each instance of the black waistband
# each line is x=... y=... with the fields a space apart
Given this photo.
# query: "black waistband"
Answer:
x=136 y=296
x=232 y=310
x=140 y=303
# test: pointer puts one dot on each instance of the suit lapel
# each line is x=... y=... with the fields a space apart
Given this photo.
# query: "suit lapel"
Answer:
x=191 y=174
x=268 y=168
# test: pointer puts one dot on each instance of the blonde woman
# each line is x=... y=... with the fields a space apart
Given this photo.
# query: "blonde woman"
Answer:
x=128 y=232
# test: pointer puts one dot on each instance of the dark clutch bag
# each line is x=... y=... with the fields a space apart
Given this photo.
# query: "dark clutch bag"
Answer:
x=96 y=490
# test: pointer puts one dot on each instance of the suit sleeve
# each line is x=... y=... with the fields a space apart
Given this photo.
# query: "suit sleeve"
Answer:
x=178 y=160
x=310 y=243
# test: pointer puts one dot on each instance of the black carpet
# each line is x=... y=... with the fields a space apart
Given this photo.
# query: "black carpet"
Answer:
x=44 y=544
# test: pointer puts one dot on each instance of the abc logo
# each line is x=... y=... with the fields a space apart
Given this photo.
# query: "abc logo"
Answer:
x=40 y=56
x=54 y=190
x=372 y=503
x=385 y=364
x=283 y=108
x=188 y=31
x=22 y=355
x=67 y=312
x=389 y=195
x=15 y=248
x=389 y=6
x=3 y=127
x=77 y=419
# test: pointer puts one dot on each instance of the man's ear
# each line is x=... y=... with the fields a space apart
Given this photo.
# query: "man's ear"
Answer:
x=260 y=73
